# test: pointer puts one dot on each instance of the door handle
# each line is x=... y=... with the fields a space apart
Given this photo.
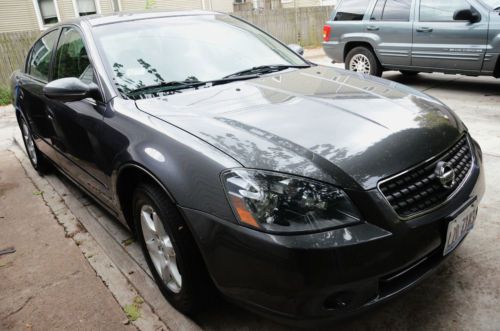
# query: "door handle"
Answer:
x=372 y=28
x=424 y=29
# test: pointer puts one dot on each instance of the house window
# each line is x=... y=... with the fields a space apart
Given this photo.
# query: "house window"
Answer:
x=86 y=7
x=48 y=11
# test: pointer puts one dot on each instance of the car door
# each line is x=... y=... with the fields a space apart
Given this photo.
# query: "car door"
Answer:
x=439 y=42
x=30 y=98
x=392 y=26
x=78 y=125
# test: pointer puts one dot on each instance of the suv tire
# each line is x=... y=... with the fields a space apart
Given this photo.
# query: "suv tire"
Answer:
x=362 y=59
x=170 y=250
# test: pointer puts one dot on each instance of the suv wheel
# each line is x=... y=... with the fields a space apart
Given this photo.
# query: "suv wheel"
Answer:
x=37 y=159
x=170 y=251
x=362 y=59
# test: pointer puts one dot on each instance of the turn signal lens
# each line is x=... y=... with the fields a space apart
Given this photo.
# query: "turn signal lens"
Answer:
x=326 y=32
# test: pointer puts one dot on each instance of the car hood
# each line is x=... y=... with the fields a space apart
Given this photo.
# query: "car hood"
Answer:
x=324 y=123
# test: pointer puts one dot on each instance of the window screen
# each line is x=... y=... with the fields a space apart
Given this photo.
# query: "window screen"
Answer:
x=352 y=10
x=48 y=11
x=86 y=7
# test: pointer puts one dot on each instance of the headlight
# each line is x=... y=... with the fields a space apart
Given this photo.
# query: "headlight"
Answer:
x=276 y=202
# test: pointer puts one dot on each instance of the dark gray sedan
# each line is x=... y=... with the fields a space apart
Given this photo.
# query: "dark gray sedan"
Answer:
x=304 y=192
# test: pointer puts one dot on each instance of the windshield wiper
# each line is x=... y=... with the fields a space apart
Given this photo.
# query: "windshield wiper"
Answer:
x=179 y=85
x=265 y=69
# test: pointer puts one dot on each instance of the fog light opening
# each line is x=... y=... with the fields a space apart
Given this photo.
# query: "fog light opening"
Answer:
x=339 y=301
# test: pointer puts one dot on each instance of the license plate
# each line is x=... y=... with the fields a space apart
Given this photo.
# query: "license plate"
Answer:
x=459 y=227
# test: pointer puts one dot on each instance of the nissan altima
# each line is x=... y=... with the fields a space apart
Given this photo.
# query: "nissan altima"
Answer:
x=303 y=192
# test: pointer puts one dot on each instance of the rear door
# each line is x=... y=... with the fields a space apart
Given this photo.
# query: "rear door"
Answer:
x=439 y=42
x=391 y=27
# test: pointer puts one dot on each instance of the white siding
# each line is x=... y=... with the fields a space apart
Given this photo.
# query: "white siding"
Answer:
x=128 y=5
x=17 y=15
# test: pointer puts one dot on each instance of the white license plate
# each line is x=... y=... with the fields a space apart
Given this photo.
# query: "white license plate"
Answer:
x=459 y=227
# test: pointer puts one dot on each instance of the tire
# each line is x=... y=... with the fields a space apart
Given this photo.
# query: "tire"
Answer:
x=37 y=159
x=409 y=72
x=362 y=59
x=177 y=247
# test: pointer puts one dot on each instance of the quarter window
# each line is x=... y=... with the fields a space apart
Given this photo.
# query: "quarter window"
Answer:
x=86 y=7
x=392 y=10
x=352 y=10
x=71 y=57
x=440 y=11
x=48 y=11
x=41 y=54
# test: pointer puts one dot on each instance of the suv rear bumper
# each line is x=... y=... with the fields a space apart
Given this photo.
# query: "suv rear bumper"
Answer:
x=334 y=50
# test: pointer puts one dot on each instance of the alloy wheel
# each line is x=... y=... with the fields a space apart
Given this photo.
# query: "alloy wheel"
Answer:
x=160 y=248
x=360 y=63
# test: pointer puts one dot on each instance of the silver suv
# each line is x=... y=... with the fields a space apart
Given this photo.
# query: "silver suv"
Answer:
x=452 y=36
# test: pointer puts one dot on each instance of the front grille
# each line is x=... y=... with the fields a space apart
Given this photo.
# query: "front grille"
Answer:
x=419 y=190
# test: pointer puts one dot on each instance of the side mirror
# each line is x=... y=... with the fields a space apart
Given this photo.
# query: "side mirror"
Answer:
x=70 y=89
x=466 y=15
x=296 y=48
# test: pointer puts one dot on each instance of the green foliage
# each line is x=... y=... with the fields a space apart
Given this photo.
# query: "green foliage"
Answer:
x=150 y=4
x=4 y=96
x=132 y=311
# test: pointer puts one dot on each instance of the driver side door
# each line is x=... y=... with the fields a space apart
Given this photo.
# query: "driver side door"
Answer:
x=78 y=125
x=440 y=42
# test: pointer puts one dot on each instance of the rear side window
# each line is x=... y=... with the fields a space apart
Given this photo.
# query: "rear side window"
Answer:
x=391 y=10
x=41 y=53
x=352 y=10
x=440 y=11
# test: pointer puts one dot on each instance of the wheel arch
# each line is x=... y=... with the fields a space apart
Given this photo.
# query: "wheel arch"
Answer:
x=128 y=176
x=353 y=44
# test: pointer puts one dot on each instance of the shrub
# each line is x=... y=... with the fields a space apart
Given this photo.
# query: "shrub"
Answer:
x=4 y=96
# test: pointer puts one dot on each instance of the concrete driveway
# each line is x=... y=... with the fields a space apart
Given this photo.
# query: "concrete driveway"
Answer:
x=463 y=295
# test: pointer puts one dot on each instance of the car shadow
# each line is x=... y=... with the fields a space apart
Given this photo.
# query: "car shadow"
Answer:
x=483 y=85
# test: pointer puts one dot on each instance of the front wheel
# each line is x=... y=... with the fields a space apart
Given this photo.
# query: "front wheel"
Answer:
x=169 y=249
x=362 y=59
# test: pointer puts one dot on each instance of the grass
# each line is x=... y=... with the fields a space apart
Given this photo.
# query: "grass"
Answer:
x=4 y=96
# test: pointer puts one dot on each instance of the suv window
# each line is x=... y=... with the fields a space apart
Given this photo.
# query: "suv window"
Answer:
x=392 y=10
x=40 y=56
x=71 y=57
x=352 y=10
x=440 y=11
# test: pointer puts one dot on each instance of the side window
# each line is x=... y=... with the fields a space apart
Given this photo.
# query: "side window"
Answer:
x=440 y=11
x=352 y=10
x=391 y=10
x=71 y=57
x=40 y=56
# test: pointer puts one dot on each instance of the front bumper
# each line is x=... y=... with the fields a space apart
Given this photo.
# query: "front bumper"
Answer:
x=314 y=278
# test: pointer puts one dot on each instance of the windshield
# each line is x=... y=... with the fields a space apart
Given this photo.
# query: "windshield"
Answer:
x=187 y=48
x=492 y=3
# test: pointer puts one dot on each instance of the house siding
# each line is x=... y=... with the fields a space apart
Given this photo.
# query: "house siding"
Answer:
x=17 y=15
x=225 y=6
x=129 y=5
x=106 y=6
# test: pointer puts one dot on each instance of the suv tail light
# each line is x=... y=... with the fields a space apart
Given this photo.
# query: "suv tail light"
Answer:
x=326 y=32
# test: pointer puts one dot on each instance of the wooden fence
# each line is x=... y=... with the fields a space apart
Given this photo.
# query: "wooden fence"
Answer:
x=302 y=25
x=13 y=49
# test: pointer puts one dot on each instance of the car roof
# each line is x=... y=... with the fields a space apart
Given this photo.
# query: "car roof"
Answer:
x=98 y=19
